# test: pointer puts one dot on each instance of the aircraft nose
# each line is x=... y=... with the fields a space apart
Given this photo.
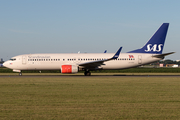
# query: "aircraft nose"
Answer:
x=4 y=64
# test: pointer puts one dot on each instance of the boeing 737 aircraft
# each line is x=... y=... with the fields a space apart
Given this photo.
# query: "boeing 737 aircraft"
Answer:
x=72 y=63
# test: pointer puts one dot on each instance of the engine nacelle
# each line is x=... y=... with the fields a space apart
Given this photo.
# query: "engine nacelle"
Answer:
x=69 y=69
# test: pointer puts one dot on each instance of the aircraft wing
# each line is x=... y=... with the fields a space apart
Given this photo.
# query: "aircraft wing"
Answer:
x=162 y=55
x=95 y=64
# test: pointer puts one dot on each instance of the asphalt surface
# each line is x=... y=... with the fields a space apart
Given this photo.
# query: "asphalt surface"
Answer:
x=73 y=76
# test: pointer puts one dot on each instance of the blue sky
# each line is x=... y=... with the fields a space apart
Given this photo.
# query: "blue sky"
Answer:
x=69 y=26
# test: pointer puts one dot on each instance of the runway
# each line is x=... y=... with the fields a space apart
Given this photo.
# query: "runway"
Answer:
x=75 y=76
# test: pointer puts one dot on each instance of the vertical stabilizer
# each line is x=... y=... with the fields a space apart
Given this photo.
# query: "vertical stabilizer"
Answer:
x=156 y=44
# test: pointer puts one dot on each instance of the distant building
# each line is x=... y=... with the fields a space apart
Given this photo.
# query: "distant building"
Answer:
x=1 y=62
x=175 y=66
x=172 y=65
x=161 y=65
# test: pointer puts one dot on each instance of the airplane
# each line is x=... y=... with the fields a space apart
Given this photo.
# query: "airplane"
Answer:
x=74 y=62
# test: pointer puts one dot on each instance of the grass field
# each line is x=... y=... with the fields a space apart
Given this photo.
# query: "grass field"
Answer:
x=90 y=98
x=92 y=74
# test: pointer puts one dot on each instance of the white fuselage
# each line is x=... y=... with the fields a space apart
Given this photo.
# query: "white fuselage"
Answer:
x=55 y=61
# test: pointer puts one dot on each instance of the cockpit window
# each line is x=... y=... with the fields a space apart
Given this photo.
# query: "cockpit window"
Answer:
x=13 y=59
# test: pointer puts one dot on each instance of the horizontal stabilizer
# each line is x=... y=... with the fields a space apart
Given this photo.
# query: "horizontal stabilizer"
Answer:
x=162 y=55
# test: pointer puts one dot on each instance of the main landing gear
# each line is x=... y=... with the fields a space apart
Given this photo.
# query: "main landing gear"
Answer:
x=20 y=74
x=87 y=73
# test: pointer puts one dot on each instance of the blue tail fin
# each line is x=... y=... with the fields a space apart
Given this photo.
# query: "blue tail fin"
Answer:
x=156 y=43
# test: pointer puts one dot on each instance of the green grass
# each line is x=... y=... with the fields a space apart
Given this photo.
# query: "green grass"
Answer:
x=90 y=98
x=92 y=74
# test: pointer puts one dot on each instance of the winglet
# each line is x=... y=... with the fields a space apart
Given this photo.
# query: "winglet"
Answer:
x=117 y=54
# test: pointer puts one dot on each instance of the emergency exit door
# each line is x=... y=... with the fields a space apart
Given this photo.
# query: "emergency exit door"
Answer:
x=24 y=59
x=139 y=59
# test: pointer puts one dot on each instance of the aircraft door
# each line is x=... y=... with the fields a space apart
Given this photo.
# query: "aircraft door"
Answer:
x=24 y=59
x=139 y=59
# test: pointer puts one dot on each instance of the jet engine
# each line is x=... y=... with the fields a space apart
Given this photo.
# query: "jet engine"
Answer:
x=69 y=69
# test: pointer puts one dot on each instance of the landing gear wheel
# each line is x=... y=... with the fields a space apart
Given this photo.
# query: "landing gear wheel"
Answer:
x=87 y=73
x=20 y=74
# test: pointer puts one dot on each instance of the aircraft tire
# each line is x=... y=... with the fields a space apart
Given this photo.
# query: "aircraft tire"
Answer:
x=87 y=73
